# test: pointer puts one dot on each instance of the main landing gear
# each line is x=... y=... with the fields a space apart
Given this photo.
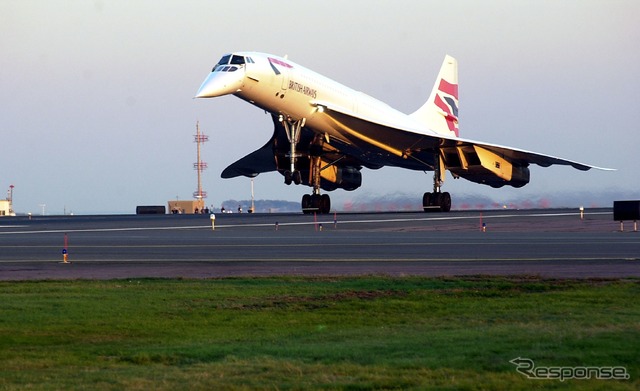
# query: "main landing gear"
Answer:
x=437 y=201
x=314 y=202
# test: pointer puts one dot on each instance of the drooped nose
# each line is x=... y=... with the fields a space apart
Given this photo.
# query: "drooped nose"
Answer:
x=220 y=83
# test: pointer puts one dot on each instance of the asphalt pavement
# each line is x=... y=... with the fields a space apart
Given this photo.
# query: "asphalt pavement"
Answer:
x=548 y=243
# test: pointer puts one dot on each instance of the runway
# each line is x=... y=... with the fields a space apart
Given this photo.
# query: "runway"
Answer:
x=549 y=243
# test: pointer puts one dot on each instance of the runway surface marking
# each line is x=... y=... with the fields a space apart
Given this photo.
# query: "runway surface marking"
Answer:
x=290 y=245
x=324 y=260
x=327 y=222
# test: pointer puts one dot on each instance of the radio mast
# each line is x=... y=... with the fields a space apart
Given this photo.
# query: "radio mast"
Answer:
x=200 y=166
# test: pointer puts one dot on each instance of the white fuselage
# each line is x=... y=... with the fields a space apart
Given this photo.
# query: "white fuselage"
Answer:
x=283 y=87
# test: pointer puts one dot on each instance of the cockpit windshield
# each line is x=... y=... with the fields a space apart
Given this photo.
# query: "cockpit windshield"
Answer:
x=237 y=60
x=232 y=59
x=224 y=60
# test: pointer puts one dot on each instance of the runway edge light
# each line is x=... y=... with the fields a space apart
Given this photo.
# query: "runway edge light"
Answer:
x=65 y=251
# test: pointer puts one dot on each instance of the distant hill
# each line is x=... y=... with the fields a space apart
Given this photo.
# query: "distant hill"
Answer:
x=262 y=206
x=404 y=202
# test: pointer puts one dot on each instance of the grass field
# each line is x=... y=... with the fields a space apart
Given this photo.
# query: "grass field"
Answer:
x=316 y=333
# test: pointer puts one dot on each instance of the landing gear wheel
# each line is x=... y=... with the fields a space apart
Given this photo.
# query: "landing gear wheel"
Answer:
x=316 y=203
x=445 y=202
x=297 y=178
x=436 y=202
x=325 y=204
x=292 y=177
x=306 y=204
x=426 y=202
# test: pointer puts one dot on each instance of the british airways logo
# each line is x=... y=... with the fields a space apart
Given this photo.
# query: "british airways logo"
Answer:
x=301 y=88
x=447 y=100
x=274 y=61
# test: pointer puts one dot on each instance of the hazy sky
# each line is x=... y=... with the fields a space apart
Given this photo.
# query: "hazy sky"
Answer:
x=97 y=114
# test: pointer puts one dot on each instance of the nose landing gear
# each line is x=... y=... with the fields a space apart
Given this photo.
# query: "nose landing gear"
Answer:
x=314 y=202
x=293 y=129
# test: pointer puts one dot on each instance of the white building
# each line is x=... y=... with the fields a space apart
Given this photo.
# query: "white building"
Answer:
x=6 y=209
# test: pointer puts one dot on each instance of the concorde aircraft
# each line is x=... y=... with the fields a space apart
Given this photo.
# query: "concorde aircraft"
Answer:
x=325 y=133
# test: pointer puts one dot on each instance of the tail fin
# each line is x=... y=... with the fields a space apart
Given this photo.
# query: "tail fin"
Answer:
x=440 y=112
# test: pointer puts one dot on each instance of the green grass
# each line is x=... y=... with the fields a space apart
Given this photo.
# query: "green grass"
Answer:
x=315 y=333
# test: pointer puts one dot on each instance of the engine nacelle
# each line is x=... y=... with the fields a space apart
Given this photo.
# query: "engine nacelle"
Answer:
x=519 y=176
x=480 y=165
x=347 y=178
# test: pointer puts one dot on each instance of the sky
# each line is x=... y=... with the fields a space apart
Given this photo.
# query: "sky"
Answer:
x=97 y=112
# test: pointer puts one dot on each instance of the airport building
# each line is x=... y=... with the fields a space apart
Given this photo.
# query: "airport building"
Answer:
x=6 y=206
x=187 y=207
x=6 y=209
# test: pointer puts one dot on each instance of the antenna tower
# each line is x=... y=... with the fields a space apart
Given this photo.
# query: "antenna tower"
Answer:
x=200 y=166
